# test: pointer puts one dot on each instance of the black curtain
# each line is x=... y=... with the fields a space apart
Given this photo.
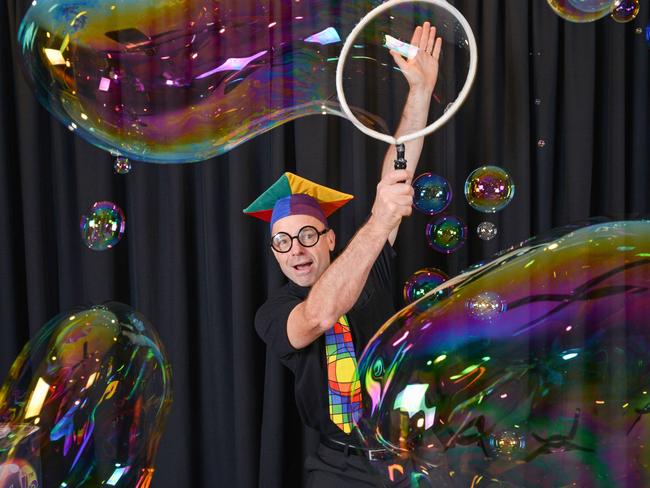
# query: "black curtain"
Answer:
x=563 y=107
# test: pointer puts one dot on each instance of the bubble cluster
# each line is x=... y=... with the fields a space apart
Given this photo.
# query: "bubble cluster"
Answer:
x=422 y=282
x=84 y=403
x=446 y=233
x=489 y=189
x=546 y=384
x=103 y=226
x=432 y=193
x=581 y=10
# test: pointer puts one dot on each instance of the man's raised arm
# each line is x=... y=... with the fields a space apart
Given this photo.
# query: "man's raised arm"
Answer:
x=421 y=72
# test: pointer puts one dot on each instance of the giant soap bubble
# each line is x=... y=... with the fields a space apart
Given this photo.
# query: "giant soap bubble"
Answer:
x=84 y=403
x=171 y=81
x=182 y=80
x=550 y=388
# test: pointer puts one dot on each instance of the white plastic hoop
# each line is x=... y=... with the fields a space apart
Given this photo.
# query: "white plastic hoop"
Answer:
x=473 y=59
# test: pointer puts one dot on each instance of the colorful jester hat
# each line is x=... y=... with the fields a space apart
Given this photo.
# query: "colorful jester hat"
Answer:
x=293 y=195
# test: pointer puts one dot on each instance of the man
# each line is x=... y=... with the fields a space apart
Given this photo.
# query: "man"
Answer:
x=319 y=323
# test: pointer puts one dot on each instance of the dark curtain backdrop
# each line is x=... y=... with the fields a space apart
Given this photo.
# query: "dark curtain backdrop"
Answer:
x=198 y=269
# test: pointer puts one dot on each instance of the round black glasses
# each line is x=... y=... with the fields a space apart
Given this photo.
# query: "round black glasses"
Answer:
x=308 y=236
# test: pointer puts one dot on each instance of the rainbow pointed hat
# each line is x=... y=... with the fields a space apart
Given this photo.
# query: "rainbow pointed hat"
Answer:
x=293 y=195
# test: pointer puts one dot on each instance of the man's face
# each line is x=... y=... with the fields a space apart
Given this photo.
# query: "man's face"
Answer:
x=304 y=265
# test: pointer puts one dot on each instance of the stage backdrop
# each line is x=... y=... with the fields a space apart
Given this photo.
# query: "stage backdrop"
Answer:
x=199 y=269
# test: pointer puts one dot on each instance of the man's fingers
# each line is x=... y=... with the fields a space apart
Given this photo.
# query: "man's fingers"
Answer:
x=399 y=190
x=431 y=40
x=405 y=209
x=424 y=37
x=437 y=48
x=399 y=59
x=395 y=176
x=404 y=200
x=417 y=34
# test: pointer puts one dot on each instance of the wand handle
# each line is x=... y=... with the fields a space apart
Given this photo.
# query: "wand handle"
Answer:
x=400 y=162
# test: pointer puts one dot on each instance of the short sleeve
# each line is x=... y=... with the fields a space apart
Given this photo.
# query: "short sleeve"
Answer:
x=271 y=326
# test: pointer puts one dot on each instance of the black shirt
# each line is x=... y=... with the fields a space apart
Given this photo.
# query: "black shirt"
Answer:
x=372 y=309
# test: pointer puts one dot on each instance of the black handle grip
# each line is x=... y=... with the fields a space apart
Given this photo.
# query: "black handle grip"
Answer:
x=400 y=162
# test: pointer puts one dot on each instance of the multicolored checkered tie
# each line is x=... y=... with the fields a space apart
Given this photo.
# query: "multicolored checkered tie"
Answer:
x=342 y=378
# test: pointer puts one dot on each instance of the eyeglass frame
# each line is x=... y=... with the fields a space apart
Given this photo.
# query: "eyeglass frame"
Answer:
x=297 y=236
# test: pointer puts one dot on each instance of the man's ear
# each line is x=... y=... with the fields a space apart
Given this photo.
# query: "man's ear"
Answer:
x=331 y=240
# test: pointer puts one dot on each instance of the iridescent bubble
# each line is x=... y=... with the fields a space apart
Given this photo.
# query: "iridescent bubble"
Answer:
x=432 y=193
x=103 y=226
x=122 y=165
x=422 y=282
x=625 y=10
x=489 y=189
x=486 y=231
x=553 y=392
x=486 y=305
x=173 y=81
x=446 y=233
x=581 y=10
x=92 y=390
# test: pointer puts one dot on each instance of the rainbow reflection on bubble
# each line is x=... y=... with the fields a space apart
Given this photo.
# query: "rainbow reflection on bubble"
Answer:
x=625 y=10
x=552 y=391
x=86 y=400
x=432 y=193
x=174 y=81
x=581 y=10
x=182 y=80
x=103 y=226
x=422 y=282
x=446 y=233
x=489 y=189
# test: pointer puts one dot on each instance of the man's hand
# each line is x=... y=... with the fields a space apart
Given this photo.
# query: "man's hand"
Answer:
x=394 y=200
x=421 y=72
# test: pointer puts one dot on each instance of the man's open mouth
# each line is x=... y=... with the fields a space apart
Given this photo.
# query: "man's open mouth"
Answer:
x=303 y=266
